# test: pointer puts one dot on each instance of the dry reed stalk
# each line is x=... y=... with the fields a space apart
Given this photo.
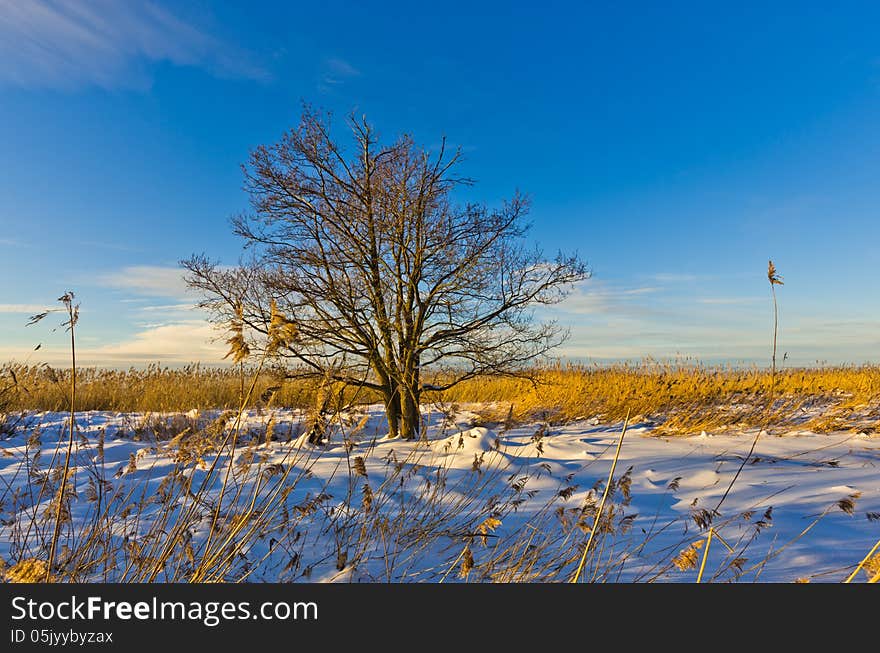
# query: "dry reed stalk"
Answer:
x=705 y=555
x=862 y=564
x=583 y=560
x=73 y=316
x=775 y=280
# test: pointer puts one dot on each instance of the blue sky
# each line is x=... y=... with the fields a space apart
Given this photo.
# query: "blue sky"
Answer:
x=675 y=146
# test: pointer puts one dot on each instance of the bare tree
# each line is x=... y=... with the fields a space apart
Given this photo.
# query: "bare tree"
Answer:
x=381 y=278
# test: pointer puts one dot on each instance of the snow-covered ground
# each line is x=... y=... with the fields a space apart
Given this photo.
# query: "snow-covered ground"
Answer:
x=470 y=501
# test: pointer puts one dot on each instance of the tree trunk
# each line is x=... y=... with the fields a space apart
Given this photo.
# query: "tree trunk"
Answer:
x=412 y=416
x=392 y=411
x=318 y=430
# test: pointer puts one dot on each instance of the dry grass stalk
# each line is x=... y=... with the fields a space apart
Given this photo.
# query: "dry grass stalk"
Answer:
x=583 y=560
x=864 y=561
x=705 y=555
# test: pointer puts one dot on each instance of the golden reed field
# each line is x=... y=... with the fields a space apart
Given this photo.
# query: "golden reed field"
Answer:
x=680 y=398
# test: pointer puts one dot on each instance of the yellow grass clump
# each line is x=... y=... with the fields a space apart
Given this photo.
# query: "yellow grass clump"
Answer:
x=31 y=570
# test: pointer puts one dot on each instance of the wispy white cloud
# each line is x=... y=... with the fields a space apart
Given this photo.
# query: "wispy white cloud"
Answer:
x=723 y=301
x=69 y=44
x=671 y=277
x=151 y=280
x=182 y=342
x=29 y=309
x=620 y=320
x=178 y=343
x=645 y=290
x=594 y=297
x=166 y=308
x=100 y=244
x=341 y=67
x=336 y=71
